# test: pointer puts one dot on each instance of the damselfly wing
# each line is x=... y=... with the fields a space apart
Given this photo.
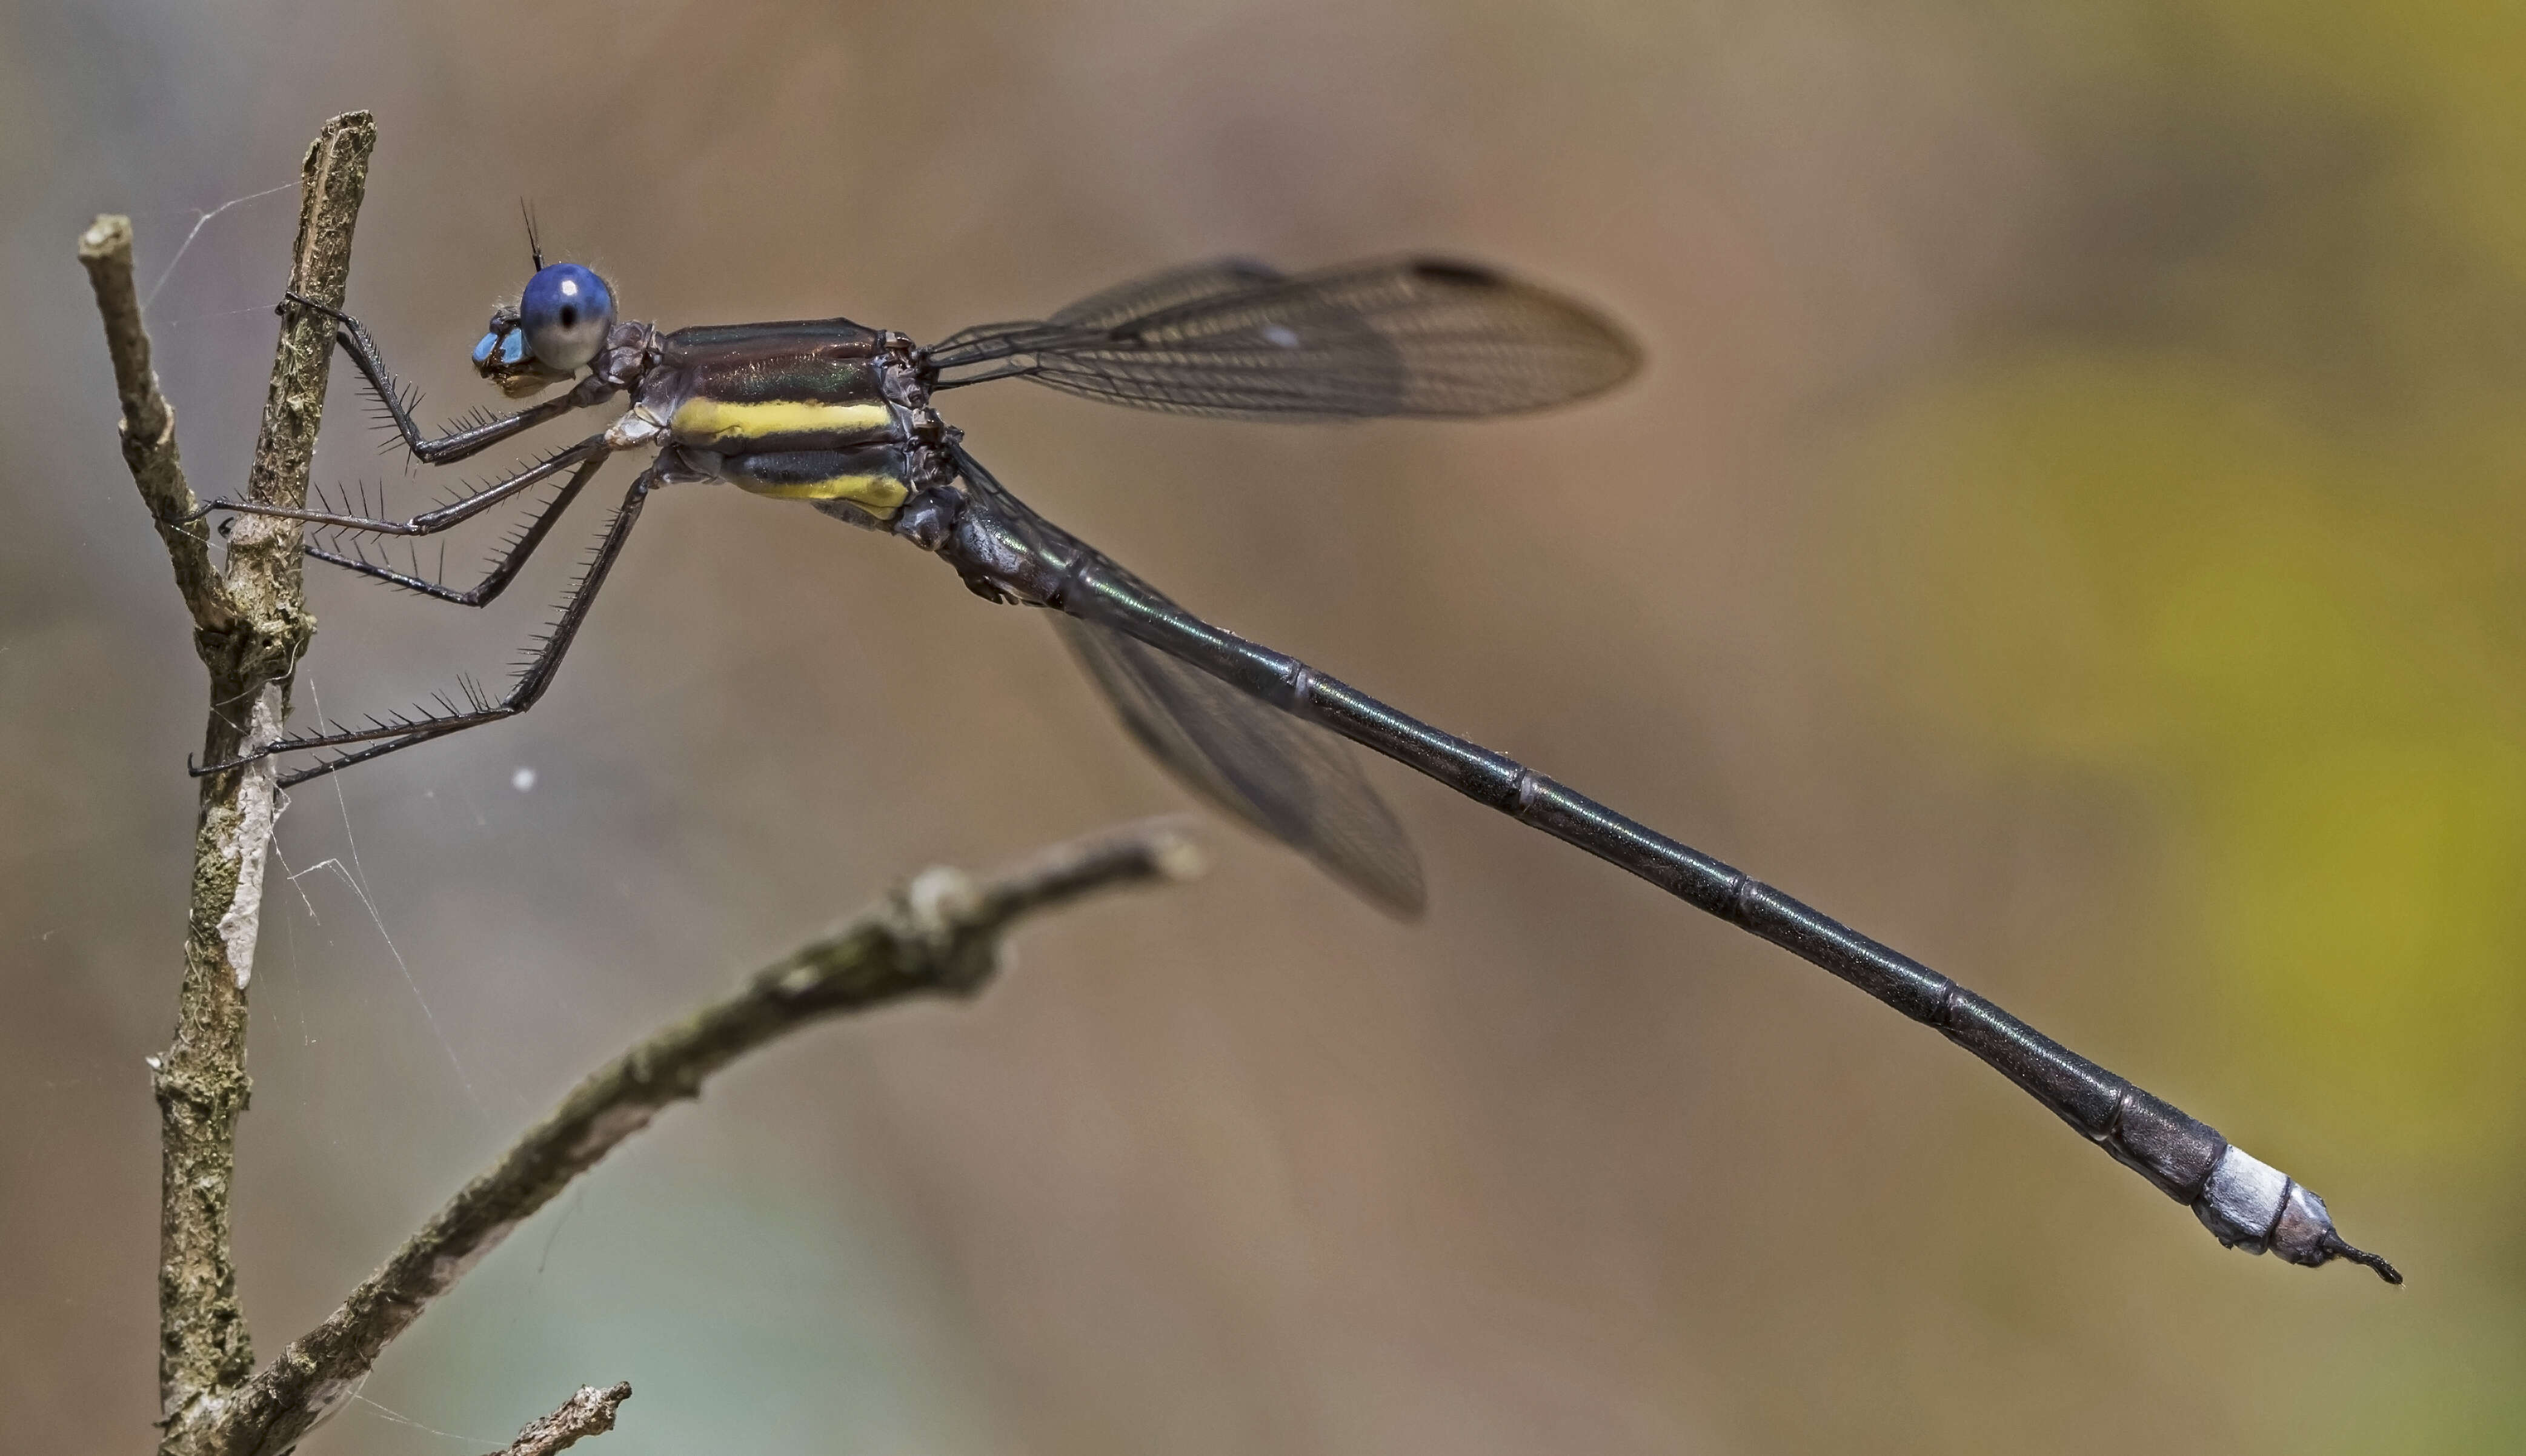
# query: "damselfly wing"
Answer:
x=1412 y=337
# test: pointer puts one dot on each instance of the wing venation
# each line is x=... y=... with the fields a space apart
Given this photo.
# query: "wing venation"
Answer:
x=1411 y=336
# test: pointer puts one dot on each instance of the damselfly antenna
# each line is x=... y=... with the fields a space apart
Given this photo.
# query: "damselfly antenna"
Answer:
x=535 y=238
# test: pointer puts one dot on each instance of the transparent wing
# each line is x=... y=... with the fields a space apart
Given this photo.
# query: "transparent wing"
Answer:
x=1411 y=336
x=1142 y=298
x=992 y=344
x=1279 y=773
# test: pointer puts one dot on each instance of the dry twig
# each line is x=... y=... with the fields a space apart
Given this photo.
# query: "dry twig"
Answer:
x=250 y=625
x=589 y=1413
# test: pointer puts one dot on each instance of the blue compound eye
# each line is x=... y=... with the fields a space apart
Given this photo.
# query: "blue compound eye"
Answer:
x=564 y=315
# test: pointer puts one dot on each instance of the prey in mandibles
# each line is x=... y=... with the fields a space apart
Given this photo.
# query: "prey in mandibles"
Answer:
x=842 y=418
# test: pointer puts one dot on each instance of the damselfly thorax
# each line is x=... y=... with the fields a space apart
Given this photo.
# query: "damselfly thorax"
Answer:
x=818 y=410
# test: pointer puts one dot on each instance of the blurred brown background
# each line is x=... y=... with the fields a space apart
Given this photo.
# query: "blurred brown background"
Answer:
x=2069 y=528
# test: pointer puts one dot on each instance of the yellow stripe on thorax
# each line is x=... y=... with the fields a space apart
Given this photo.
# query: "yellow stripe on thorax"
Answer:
x=878 y=495
x=704 y=420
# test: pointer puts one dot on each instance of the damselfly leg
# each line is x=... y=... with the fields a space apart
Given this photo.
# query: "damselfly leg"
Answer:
x=429 y=523
x=505 y=563
x=469 y=439
x=535 y=673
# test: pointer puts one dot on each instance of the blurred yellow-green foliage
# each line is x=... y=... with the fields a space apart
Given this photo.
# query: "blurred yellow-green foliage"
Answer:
x=2257 y=546
x=2247 y=535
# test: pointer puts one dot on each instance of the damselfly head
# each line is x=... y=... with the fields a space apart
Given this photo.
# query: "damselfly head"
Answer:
x=558 y=326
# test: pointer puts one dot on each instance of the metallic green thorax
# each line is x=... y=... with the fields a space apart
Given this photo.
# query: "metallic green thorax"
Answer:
x=815 y=410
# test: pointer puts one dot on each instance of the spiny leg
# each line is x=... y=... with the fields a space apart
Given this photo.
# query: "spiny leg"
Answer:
x=386 y=735
x=505 y=566
x=429 y=523
x=380 y=750
x=471 y=439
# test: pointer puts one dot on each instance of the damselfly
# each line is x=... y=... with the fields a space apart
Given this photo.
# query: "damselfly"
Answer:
x=841 y=417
